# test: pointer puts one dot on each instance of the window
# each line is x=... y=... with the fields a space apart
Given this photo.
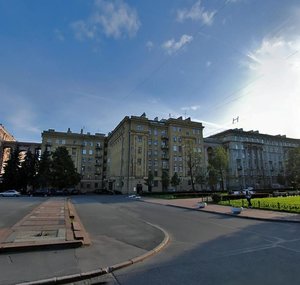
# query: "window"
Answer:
x=90 y=152
x=155 y=132
x=175 y=148
x=140 y=139
x=73 y=151
x=139 y=161
x=84 y=151
x=139 y=127
x=139 y=149
x=174 y=139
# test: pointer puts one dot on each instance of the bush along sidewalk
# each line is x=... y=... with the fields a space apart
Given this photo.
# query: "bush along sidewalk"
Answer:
x=290 y=204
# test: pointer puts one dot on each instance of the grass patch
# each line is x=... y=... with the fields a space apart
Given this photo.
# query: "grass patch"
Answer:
x=287 y=204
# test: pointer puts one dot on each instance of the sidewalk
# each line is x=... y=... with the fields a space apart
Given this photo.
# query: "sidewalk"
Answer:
x=52 y=224
x=226 y=210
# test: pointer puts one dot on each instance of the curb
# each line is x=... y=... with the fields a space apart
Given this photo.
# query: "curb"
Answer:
x=231 y=215
x=11 y=248
x=102 y=271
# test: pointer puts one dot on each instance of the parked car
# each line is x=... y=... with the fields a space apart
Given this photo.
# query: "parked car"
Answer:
x=10 y=193
x=40 y=192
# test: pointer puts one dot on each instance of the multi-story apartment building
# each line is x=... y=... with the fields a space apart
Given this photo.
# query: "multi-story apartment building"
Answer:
x=138 y=146
x=5 y=136
x=255 y=159
x=87 y=152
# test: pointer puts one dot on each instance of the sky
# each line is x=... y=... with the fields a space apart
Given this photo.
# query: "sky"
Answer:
x=86 y=64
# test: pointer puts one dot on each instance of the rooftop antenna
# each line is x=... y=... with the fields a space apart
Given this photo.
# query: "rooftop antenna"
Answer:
x=235 y=120
x=185 y=114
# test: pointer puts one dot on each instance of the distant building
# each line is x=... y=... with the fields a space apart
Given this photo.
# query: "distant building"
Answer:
x=5 y=136
x=256 y=160
x=87 y=152
x=139 y=146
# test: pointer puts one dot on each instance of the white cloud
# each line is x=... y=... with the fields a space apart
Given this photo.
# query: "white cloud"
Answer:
x=171 y=46
x=59 y=35
x=18 y=116
x=191 y=108
x=271 y=103
x=149 y=45
x=114 y=19
x=196 y=13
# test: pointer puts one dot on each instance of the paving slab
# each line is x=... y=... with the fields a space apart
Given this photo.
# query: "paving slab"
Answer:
x=46 y=226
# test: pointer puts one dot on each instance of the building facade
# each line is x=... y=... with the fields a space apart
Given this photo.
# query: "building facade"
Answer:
x=255 y=159
x=5 y=137
x=139 y=146
x=87 y=152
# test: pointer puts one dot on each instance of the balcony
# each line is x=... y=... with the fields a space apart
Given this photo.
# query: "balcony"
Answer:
x=165 y=157
x=164 y=137
x=164 y=146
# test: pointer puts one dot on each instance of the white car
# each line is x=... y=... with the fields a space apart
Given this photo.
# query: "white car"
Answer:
x=10 y=193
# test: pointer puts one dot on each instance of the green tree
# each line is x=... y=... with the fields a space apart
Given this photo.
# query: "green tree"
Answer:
x=149 y=181
x=175 y=180
x=44 y=170
x=63 y=172
x=219 y=165
x=201 y=177
x=165 y=180
x=293 y=167
x=194 y=163
x=28 y=171
x=11 y=176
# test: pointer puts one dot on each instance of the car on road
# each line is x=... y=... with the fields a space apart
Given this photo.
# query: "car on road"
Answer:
x=40 y=192
x=10 y=193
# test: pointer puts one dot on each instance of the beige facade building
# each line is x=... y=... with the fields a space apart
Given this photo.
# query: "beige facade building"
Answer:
x=138 y=146
x=5 y=136
x=87 y=152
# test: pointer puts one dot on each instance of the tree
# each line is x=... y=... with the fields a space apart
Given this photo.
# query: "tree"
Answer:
x=11 y=176
x=165 y=180
x=193 y=161
x=28 y=171
x=218 y=165
x=149 y=181
x=44 y=171
x=175 y=180
x=293 y=167
x=63 y=172
x=201 y=177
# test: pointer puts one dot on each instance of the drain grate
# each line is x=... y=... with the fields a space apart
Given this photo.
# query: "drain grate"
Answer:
x=44 y=235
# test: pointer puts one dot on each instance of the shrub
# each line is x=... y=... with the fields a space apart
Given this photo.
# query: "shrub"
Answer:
x=216 y=198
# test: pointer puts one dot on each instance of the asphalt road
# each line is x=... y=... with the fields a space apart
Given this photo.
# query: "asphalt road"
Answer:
x=213 y=249
x=204 y=249
x=12 y=209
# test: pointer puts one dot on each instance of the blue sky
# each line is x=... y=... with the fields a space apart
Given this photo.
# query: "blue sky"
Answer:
x=87 y=64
